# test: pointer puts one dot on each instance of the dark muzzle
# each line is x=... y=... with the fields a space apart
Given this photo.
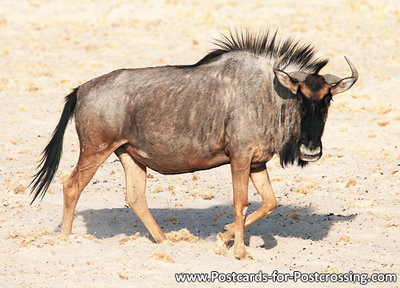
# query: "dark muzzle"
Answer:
x=309 y=155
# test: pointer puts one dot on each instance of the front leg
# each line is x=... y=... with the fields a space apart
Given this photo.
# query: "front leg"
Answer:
x=240 y=169
x=262 y=184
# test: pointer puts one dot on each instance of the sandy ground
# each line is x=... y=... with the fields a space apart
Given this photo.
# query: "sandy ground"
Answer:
x=338 y=215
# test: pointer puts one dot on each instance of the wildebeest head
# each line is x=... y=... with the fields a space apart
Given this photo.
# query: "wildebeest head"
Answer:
x=314 y=93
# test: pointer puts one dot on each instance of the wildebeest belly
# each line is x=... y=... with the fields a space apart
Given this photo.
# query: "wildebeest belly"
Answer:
x=175 y=160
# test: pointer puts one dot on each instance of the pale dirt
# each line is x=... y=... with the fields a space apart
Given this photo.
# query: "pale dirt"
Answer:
x=340 y=214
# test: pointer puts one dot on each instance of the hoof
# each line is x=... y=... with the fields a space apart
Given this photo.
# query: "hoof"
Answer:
x=241 y=253
x=161 y=239
x=246 y=256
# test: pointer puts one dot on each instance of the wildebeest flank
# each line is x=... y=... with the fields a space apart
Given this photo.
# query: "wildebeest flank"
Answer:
x=251 y=98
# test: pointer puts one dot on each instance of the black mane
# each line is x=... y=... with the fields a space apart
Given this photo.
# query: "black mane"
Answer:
x=264 y=44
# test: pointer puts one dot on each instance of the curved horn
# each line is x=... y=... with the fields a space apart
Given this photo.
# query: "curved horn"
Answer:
x=354 y=72
x=339 y=85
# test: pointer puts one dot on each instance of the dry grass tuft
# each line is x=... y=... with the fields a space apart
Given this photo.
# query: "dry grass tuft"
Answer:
x=172 y=219
x=158 y=189
x=17 y=188
x=182 y=235
x=204 y=195
x=344 y=239
x=123 y=240
x=163 y=257
x=29 y=238
x=223 y=251
x=351 y=182
x=305 y=188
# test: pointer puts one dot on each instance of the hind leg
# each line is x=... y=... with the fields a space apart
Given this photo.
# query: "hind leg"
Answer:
x=135 y=175
x=87 y=166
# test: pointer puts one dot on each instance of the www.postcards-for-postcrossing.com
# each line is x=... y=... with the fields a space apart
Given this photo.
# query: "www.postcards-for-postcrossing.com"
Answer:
x=277 y=277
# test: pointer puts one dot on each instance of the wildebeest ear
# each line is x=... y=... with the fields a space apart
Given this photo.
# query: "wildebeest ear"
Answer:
x=339 y=85
x=343 y=85
x=287 y=81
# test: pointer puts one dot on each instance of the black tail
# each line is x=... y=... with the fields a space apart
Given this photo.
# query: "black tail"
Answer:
x=52 y=153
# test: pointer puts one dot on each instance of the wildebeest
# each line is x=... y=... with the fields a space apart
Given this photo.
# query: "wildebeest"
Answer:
x=252 y=97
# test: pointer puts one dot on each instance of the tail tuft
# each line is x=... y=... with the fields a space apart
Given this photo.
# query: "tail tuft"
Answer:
x=51 y=155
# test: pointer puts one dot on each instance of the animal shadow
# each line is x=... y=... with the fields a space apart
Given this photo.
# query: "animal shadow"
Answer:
x=285 y=221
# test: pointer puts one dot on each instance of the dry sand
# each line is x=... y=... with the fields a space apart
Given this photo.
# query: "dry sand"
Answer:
x=338 y=215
